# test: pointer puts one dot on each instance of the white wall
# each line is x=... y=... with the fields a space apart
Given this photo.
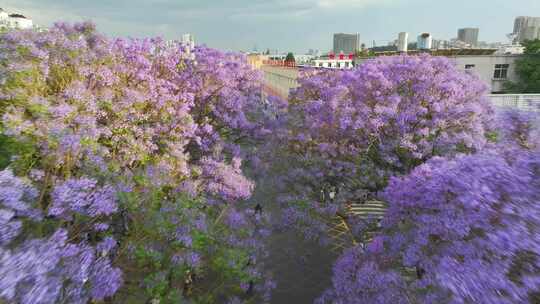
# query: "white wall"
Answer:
x=484 y=66
x=280 y=80
x=300 y=58
x=4 y=17
x=20 y=23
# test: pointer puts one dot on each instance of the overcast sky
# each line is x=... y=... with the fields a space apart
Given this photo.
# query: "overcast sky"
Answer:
x=287 y=25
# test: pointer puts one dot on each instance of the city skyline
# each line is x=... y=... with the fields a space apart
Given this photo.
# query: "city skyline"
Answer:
x=293 y=25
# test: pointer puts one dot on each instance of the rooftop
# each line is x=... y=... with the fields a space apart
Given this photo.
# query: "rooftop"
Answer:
x=448 y=52
x=17 y=16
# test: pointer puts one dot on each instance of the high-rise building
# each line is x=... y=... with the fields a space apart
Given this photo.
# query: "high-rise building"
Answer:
x=440 y=44
x=403 y=42
x=526 y=28
x=519 y=23
x=530 y=33
x=346 y=43
x=424 y=41
x=469 y=35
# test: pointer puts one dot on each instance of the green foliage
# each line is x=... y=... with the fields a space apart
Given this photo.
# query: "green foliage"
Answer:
x=26 y=156
x=492 y=136
x=532 y=47
x=365 y=53
x=77 y=108
x=6 y=151
x=164 y=279
x=290 y=57
x=528 y=70
x=231 y=264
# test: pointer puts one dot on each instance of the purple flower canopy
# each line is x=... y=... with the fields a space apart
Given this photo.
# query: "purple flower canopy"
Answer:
x=112 y=123
x=139 y=151
x=468 y=226
x=350 y=131
x=461 y=182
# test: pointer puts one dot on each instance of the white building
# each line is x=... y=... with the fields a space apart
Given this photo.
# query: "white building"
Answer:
x=441 y=44
x=530 y=33
x=494 y=69
x=468 y=35
x=277 y=57
x=188 y=40
x=19 y=21
x=424 y=41
x=303 y=58
x=14 y=21
x=403 y=42
x=346 y=43
x=343 y=64
x=3 y=16
x=526 y=28
x=510 y=49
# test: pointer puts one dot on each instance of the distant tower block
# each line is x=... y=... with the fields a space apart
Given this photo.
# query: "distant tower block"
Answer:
x=403 y=42
x=424 y=41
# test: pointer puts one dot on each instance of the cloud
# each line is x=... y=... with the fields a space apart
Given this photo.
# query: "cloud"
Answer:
x=279 y=9
x=285 y=24
x=156 y=12
x=291 y=9
x=116 y=19
x=354 y=3
x=294 y=7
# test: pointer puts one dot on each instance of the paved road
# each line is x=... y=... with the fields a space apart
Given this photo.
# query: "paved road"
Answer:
x=301 y=269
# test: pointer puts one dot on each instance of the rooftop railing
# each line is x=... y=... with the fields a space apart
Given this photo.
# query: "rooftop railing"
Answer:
x=525 y=102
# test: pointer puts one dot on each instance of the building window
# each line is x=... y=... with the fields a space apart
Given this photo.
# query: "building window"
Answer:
x=320 y=64
x=469 y=66
x=346 y=64
x=339 y=65
x=501 y=71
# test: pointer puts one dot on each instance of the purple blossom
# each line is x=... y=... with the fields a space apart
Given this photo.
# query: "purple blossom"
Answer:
x=101 y=226
x=82 y=196
x=9 y=229
x=463 y=225
x=140 y=121
x=15 y=193
x=226 y=181
x=236 y=219
x=357 y=279
x=351 y=131
x=36 y=271
x=191 y=259
x=519 y=128
x=106 y=246
x=105 y=280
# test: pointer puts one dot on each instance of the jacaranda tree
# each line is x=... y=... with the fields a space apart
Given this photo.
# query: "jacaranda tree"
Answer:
x=458 y=230
x=124 y=176
x=350 y=131
x=125 y=180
